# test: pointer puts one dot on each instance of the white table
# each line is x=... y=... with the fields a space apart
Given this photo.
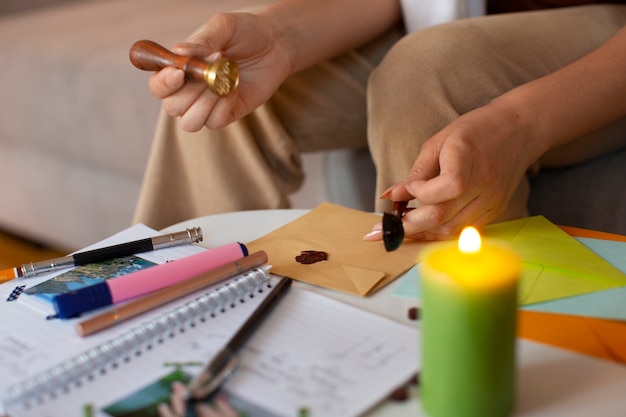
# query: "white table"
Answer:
x=551 y=382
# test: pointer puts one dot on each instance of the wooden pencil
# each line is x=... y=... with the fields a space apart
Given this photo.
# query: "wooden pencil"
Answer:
x=150 y=301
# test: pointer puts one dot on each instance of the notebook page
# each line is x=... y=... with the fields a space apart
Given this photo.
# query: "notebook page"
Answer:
x=326 y=356
x=30 y=344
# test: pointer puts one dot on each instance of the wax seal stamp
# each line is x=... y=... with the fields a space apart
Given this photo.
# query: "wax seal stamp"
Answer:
x=393 y=230
x=221 y=76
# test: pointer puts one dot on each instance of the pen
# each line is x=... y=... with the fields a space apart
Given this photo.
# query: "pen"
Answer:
x=125 y=287
x=224 y=363
x=171 y=293
x=32 y=269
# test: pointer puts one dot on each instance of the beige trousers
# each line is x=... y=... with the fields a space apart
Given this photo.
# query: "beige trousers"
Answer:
x=390 y=95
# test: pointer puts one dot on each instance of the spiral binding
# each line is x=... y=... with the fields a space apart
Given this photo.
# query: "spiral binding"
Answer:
x=87 y=365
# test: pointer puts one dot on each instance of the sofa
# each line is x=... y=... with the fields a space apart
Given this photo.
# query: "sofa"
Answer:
x=76 y=118
x=76 y=125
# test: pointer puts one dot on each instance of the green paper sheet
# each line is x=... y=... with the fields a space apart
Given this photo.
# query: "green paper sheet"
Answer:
x=555 y=265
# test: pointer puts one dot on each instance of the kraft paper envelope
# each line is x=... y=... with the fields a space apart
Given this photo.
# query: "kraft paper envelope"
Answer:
x=555 y=265
x=602 y=338
x=353 y=266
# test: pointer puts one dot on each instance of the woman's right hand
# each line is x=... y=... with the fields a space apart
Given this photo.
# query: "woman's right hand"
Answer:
x=250 y=40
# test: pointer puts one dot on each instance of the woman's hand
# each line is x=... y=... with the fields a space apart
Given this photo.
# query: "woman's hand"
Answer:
x=465 y=174
x=250 y=40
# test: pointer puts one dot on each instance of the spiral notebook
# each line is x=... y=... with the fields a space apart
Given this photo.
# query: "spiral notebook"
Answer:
x=303 y=357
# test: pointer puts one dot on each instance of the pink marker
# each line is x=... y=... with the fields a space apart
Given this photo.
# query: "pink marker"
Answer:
x=142 y=282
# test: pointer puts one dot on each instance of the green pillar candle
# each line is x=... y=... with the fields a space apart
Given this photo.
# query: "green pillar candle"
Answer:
x=469 y=316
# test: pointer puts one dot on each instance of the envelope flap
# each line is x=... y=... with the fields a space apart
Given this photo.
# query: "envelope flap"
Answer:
x=559 y=284
x=362 y=279
x=333 y=275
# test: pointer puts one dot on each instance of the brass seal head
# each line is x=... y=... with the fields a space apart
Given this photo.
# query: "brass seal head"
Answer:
x=222 y=76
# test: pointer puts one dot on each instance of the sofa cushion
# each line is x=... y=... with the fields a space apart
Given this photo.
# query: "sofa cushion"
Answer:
x=15 y=6
x=76 y=117
x=590 y=195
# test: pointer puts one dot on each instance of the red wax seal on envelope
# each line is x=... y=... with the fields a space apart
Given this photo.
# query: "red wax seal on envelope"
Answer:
x=311 y=256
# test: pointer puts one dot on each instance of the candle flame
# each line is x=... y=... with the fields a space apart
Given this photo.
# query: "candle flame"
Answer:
x=469 y=241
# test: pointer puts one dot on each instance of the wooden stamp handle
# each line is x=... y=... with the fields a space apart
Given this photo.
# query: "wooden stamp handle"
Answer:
x=221 y=76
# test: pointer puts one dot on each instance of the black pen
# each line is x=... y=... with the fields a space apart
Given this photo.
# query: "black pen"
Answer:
x=224 y=363
x=32 y=269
